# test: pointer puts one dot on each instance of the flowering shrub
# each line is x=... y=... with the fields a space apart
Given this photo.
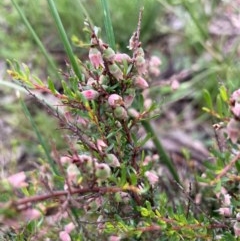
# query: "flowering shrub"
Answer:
x=107 y=186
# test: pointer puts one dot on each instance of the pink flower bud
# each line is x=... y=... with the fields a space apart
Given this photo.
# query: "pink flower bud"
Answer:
x=155 y=157
x=122 y=57
x=140 y=65
x=133 y=43
x=69 y=227
x=226 y=200
x=115 y=100
x=236 y=229
x=226 y=211
x=120 y=113
x=236 y=110
x=65 y=159
x=109 y=54
x=68 y=116
x=88 y=162
x=236 y=96
x=233 y=130
x=147 y=103
x=91 y=82
x=114 y=238
x=64 y=236
x=238 y=217
x=73 y=173
x=31 y=214
x=153 y=65
x=155 y=61
x=140 y=52
x=175 y=85
x=129 y=97
x=17 y=180
x=112 y=160
x=133 y=113
x=140 y=82
x=147 y=160
x=101 y=145
x=82 y=121
x=152 y=177
x=103 y=171
x=90 y=94
x=116 y=71
x=95 y=57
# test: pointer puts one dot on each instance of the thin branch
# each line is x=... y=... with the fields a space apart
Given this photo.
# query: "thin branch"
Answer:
x=225 y=170
x=55 y=194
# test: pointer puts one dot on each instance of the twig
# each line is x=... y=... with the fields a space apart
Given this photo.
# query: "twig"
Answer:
x=56 y=194
x=226 y=168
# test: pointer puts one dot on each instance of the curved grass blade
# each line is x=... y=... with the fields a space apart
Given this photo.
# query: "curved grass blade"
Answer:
x=40 y=138
x=64 y=38
x=37 y=40
x=163 y=155
x=84 y=10
x=108 y=24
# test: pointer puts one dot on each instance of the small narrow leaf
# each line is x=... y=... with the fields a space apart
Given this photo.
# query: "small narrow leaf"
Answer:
x=141 y=142
x=219 y=106
x=208 y=99
x=51 y=86
x=223 y=93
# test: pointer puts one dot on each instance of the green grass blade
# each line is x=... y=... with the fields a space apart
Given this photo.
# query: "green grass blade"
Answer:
x=40 y=138
x=108 y=24
x=162 y=154
x=84 y=11
x=64 y=38
x=12 y=86
x=37 y=40
x=199 y=25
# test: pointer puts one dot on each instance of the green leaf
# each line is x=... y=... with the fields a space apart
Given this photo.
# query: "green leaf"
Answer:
x=144 y=212
x=219 y=106
x=123 y=175
x=66 y=89
x=108 y=24
x=64 y=38
x=223 y=93
x=208 y=99
x=141 y=142
x=218 y=187
x=38 y=80
x=133 y=178
x=51 y=86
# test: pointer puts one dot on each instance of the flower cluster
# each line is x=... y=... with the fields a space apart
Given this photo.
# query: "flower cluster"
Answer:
x=103 y=111
x=111 y=84
x=233 y=127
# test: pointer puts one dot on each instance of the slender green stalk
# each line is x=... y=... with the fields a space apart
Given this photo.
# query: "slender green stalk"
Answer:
x=163 y=155
x=83 y=9
x=37 y=40
x=40 y=138
x=199 y=25
x=12 y=86
x=64 y=38
x=108 y=24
